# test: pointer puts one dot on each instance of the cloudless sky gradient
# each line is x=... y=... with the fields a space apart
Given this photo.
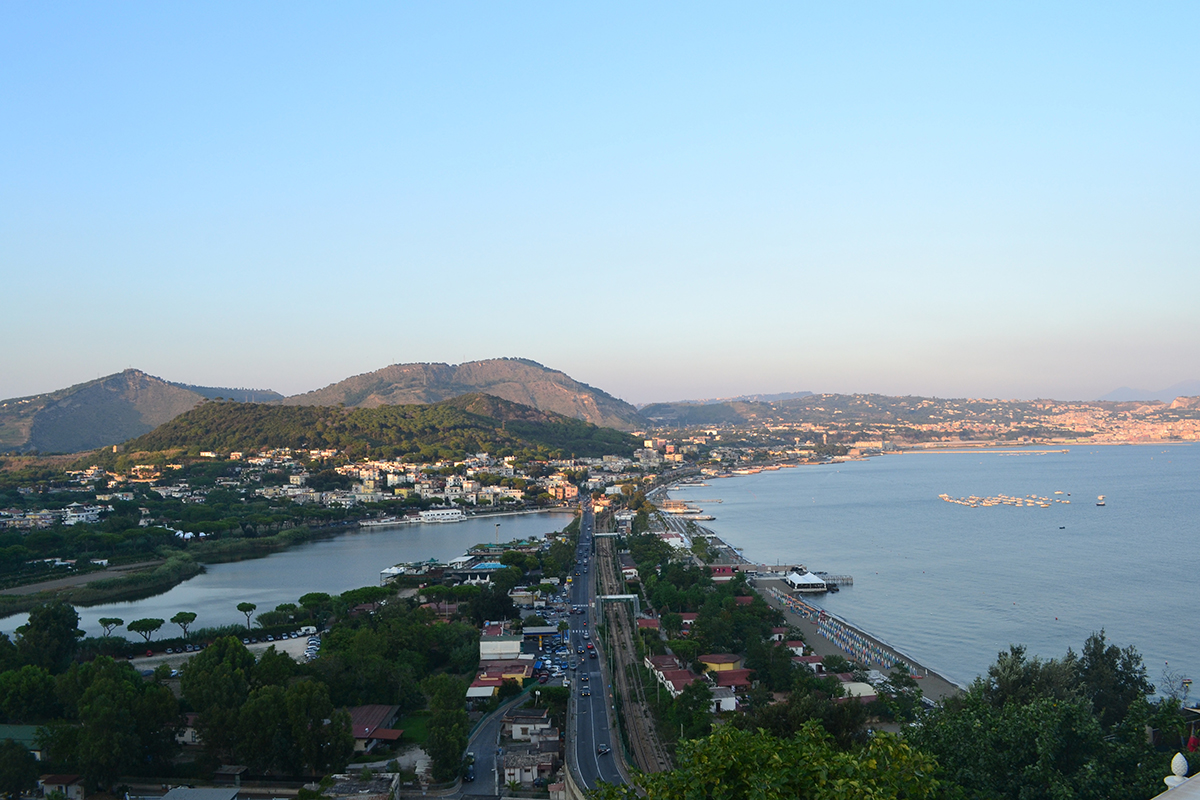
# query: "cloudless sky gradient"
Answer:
x=663 y=200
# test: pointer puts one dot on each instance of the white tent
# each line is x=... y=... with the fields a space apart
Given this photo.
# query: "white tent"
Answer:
x=806 y=582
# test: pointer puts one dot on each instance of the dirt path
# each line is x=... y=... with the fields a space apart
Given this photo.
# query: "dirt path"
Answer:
x=79 y=580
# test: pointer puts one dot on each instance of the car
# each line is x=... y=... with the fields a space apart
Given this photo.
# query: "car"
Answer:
x=591 y=646
x=578 y=649
x=603 y=750
x=149 y=653
x=574 y=666
x=587 y=635
x=593 y=654
x=169 y=651
x=544 y=679
x=586 y=692
x=585 y=676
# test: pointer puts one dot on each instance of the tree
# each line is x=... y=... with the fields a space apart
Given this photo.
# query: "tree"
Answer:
x=183 y=619
x=49 y=638
x=449 y=725
x=145 y=627
x=273 y=668
x=216 y=683
x=732 y=764
x=263 y=741
x=248 y=610
x=1035 y=729
x=110 y=623
x=28 y=695
x=1112 y=679
x=18 y=769
x=320 y=734
x=124 y=721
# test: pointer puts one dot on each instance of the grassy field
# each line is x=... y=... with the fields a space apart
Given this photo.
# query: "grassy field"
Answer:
x=415 y=727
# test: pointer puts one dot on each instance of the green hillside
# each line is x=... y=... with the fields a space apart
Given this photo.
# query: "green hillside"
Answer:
x=452 y=428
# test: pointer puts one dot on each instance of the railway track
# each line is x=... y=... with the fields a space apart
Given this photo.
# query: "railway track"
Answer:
x=647 y=749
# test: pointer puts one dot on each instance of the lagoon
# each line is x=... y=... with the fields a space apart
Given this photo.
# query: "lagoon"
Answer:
x=333 y=565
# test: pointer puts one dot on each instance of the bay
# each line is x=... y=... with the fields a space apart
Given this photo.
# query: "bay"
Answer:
x=950 y=585
x=334 y=565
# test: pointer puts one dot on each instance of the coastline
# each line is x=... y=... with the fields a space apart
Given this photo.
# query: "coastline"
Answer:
x=828 y=634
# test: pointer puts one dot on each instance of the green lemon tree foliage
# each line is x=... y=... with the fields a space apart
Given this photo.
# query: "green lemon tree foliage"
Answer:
x=734 y=764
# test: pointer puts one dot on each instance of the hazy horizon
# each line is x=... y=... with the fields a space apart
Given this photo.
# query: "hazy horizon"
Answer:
x=641 y=403
x=674 y=201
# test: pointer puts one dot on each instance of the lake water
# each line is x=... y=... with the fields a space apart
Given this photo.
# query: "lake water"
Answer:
x=951 y=585
x=333 y=565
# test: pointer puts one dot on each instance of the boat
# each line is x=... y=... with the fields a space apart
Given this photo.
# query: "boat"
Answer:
x=1100 y=500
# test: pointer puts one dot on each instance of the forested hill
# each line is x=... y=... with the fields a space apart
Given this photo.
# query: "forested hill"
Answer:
x=470 y=423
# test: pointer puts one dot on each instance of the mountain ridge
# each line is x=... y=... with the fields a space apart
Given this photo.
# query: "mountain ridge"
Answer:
x=102 y=412
x=518 y=380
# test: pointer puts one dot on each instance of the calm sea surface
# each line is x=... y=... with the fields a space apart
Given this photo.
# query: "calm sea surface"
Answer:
x=951 y=586
x=332 y=565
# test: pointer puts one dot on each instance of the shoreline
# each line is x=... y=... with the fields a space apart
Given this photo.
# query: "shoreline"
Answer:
x=818 y=625
x=103 y=587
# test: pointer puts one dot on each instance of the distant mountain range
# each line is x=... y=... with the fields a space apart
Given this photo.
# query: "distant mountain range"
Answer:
x=1126 y=394
x=119 y=407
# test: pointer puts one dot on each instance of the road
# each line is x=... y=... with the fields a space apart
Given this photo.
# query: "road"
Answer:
x=591 y=718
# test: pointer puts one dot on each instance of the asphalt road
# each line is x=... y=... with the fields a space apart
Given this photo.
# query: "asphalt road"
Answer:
x=590 y=715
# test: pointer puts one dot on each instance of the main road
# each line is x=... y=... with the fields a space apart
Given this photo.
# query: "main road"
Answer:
x=591 y=728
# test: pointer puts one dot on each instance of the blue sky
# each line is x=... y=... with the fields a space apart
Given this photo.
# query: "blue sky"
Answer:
x=663 y=200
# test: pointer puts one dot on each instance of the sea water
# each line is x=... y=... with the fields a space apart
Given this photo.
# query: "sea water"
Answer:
x=951 y=586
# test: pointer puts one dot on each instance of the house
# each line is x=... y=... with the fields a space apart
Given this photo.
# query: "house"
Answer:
x=778 y=634
x=857 y=690
x=373 y=724
x=648 y=624
x=736 y=679
x=720 y=662
x=70 y=785
x=676 y=680
x=629 y=570
x=795 y=645
x=723 y=699
x=188 y=793
x=744 y=600
x=525 y=763
x=721 y=573
x=526 y=723
x=495 y=642
x=24 y=735
x=188 y=734
x=812 y=662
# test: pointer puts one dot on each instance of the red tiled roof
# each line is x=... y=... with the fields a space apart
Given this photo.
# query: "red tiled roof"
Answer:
x=732 y=677
x=365 y=720
x=720 y=658
x=743 y=600
x=648 y=623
